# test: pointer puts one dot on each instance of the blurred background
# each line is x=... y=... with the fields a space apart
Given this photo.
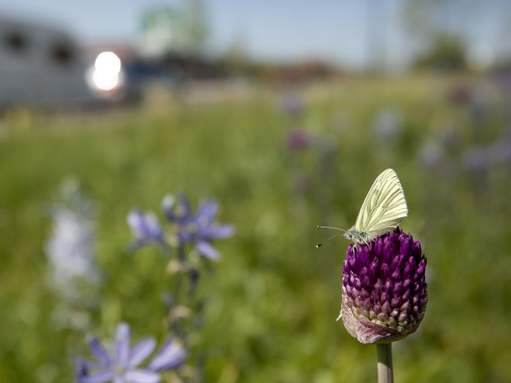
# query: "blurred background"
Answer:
x=285 y=112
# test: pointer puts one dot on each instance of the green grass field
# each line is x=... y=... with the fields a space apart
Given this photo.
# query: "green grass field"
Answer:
x=273 y=299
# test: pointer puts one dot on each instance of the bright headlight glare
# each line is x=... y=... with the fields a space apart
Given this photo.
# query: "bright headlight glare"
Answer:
x=106 y=75
x=105 y=81
x=108 y=62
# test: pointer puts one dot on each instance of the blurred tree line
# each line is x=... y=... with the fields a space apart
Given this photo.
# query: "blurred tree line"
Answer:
x=445 y=31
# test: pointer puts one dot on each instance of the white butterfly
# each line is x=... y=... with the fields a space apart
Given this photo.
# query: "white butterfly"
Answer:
x=382 y=211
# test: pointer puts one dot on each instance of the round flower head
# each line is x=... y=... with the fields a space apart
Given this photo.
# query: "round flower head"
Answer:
x=384 y=288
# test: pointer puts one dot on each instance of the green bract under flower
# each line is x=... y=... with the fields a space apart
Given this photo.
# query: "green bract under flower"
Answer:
x=384 y=293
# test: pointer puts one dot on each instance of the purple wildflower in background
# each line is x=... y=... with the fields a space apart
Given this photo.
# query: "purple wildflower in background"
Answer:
x=146 y=229
x=197 y=228
x=500 y=151
x=293 y=104
x=297 y=139
x=384 y=293
x=388 y=125
x=432 y=155
x=122 y=365
x=476 y=159
x=449 y=136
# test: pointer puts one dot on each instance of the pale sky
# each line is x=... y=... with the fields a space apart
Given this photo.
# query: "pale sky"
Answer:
x=341 y=31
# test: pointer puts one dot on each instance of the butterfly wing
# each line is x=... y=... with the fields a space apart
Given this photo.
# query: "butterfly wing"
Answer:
x=384 y=206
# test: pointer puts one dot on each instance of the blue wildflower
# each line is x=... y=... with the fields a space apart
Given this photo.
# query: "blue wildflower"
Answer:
x=145 y=228
x=197 y=228
x=120 y=366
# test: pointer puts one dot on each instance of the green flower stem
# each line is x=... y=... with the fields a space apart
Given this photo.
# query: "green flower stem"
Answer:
x=385 y=370
x=179 y=298
x=179 y=275
x=181 y=252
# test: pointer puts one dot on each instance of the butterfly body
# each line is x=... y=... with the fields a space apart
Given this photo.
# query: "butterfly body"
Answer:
x=357 y=237
x=382 y=211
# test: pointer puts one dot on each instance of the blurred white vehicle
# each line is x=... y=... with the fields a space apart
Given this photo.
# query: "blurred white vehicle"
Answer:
x=40 y=65
x=44 y=66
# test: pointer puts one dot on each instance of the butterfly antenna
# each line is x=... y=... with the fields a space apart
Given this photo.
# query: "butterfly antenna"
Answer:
x=330 y=227
x=317 y=246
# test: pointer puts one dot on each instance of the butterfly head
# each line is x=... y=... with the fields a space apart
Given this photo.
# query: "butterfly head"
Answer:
x=353 y=235
x=349 y=235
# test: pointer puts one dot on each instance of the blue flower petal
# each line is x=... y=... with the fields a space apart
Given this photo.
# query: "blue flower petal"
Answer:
x=142 y=376
x=144 y=226
x=184 y=212
x=167 y=204
x=100 y=377
x=206 y=213
x=217 y=232
x=171 y=355
x=99 y=351
x=207 y=250
x=122 y=344
x=141 y=351
x=82 y=365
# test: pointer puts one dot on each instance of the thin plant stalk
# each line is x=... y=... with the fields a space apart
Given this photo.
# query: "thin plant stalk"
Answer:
x=179 y=275
x=384 y=356
x=178 y=288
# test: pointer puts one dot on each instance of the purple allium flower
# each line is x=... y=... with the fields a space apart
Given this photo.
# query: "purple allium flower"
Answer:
x=120 y=366
x=298 y=139
x=384 y=288
x=145 y=228
x=199 y=227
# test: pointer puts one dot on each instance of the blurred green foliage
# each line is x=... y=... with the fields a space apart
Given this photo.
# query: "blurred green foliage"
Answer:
x=446 y=53
x=273 y=298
